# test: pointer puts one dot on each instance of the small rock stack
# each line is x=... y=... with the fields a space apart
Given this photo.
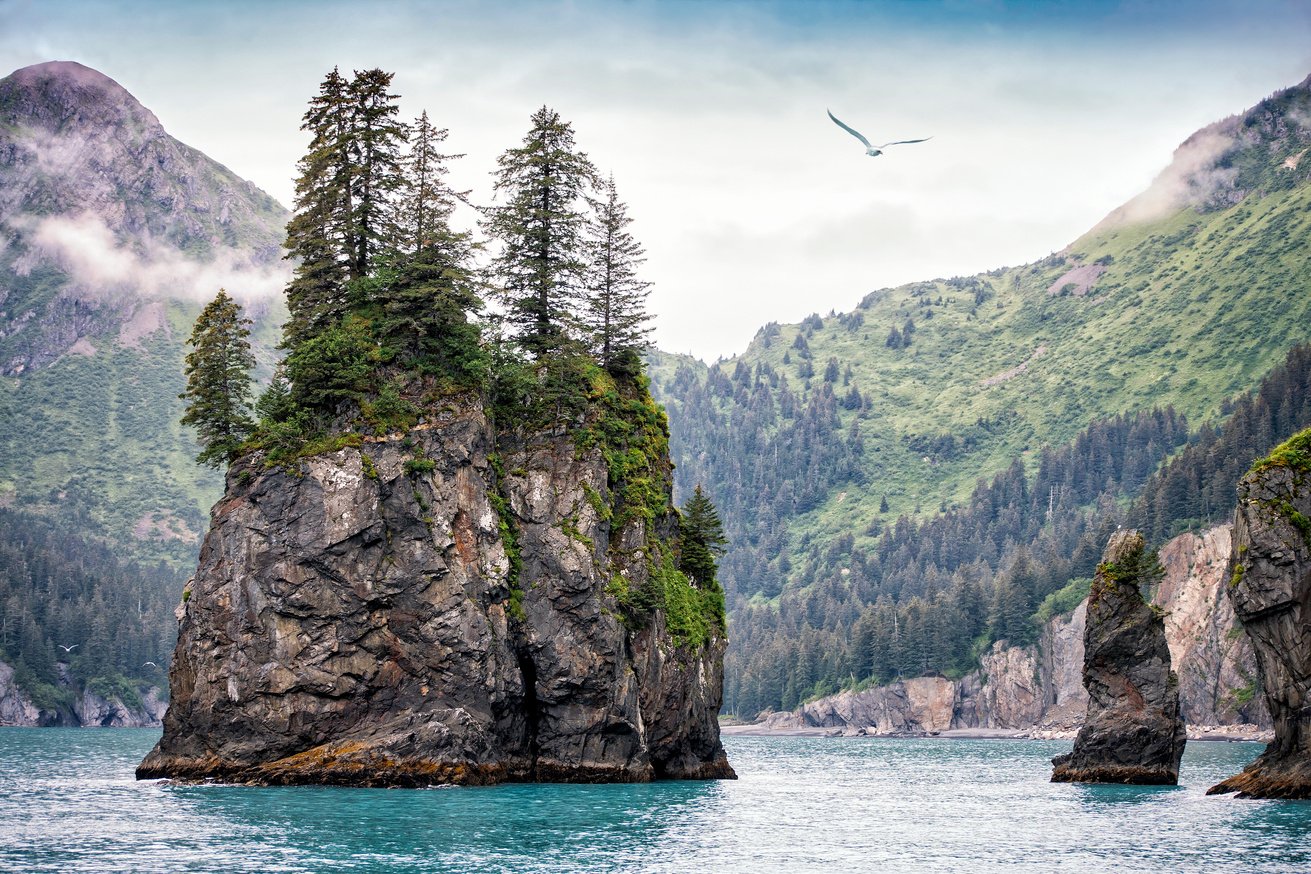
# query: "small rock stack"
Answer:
x=1134 y=732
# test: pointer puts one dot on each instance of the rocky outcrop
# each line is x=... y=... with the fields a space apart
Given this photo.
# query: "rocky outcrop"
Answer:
x=16 y=708
x=419 y=609
x=82 y=706
x=1039 y=689
x=1133 y=732
x=1270 y=588
x=1211 y=654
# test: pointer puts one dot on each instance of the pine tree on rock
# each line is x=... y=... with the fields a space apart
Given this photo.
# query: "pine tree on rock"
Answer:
x=218 y=380
x=426 y=201
x=614 y=315
x=316 y=235
x=541 y=227
x=702 y=540
x=376 y=144
x=432 y=291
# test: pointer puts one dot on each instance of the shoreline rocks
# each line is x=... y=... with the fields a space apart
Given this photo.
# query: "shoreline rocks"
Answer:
x=1270 y=588
x=1133 y=732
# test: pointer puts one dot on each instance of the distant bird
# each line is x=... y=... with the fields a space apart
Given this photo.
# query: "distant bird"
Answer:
x=152 y=664
x=869 y=149
x=68 y=648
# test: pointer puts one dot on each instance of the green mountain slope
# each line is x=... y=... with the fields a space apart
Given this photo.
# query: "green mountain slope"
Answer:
x=1183 y=298
x=112 y=234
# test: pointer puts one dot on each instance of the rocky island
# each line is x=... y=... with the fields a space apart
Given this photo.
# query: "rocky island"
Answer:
x=444 y=555
x=1270 y=587
x=1134 y=732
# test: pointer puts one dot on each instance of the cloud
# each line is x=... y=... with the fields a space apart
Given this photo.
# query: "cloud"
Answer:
x=101 y=266
x=1193 y=178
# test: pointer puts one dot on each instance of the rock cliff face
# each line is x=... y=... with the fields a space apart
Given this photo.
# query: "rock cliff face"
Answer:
x=420 y=610
x=1270 y=587
x=1040 y=688
x=1133 y=732
x=88 y=708
x=1211 y=654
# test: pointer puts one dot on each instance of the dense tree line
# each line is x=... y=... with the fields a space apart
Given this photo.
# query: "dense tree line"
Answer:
x=72 y=613
x=905 y=598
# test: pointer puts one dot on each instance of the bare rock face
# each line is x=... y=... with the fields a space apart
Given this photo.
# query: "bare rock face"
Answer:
x=419 y=610
x=1133 y=732
x=1211 y=654
x=1270 y=588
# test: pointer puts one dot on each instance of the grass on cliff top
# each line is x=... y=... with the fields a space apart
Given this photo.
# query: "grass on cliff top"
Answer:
x=1294 y=454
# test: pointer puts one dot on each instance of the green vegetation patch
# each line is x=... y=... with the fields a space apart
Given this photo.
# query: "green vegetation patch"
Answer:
x=1294 y=454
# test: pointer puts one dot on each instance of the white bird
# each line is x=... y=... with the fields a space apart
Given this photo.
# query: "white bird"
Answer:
x=152 y=664
x=67 y=648
x=871 y=150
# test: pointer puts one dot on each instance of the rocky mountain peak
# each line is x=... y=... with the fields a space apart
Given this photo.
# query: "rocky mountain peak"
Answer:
x=57 y=95
x=1261 y=150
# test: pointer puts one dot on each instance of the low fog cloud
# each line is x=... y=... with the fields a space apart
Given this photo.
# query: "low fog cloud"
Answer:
x=102 y=266
x=1192 y=179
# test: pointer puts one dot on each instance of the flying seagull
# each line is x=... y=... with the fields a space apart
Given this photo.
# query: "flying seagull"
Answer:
x=68 y=648
x=871 y=150
x=152 y=664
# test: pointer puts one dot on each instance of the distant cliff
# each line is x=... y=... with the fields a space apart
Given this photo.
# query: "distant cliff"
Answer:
x=85 y=706
x=1038 y=688
x=438 y=606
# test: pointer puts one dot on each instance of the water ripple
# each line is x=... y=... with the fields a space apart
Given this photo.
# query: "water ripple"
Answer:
x=68 y=802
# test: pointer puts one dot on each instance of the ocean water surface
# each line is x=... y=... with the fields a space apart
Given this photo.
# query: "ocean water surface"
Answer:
x=68 y=802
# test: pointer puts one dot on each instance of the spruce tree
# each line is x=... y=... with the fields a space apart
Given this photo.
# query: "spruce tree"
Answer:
x=317 y=238
x=218 y=380
x=614 y=314
x=540 y=226
x=375 y=151
x=426 y=201
x=701 y=540
x=432 y=287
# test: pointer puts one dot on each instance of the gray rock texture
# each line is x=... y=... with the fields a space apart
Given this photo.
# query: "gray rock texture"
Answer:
x=1133 y=732
x=1270 y=588
x=1211 y=654
x=359 y=621
x=1039 y=689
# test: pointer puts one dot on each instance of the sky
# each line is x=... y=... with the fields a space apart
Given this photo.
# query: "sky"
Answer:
x=752 y=205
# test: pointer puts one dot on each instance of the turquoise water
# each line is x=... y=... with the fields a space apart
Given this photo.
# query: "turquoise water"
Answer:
x=68 y=803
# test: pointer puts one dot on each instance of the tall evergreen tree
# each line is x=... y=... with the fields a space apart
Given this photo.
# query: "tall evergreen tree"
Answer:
x=614 y=314
x=432 y=290
x=218 y=380
x=317 y=238
x=376 y=152
x=541 y=225
x=426 y=201
x=701 y=540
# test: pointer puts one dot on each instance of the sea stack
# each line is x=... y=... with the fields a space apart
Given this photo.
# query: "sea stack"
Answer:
x=1270 y=587
x=1133 y=732
x=445 y=604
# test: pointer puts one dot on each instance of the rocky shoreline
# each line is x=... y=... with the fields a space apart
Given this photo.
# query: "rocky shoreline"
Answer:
x=1245 y=732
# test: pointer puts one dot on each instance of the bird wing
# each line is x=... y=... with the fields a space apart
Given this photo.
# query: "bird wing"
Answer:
x=855 y=133
x=901 y=142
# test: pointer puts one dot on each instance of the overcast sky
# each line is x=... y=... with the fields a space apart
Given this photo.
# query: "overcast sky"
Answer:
x=752 y=205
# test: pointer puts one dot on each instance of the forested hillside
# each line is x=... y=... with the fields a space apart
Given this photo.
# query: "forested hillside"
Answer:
x=111 y=234
x=846 y=452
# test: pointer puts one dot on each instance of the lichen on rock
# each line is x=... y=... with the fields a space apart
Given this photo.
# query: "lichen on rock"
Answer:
x=1270 y=588
x=360 y=619
x=1133 y=732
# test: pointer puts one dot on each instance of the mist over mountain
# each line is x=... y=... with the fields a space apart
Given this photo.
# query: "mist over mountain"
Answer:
x=112 y=233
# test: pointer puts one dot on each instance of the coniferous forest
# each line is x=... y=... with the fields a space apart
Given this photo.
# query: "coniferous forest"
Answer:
x=808 y=619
